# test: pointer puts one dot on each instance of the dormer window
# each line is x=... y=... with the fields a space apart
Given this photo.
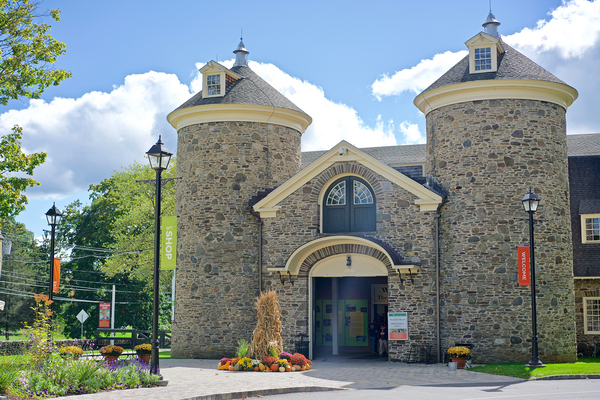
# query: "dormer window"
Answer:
x=213 y=85
x=483 y=59
x=484 y=53
x=217 y=80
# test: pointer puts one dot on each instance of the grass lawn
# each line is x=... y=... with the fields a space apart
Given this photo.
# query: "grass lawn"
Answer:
x=584 y=366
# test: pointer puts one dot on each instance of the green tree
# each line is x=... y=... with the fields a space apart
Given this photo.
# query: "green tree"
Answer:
x=27 y=51
x=27 y=57
x=120 y=217
x=12 y=160
x=24 y=272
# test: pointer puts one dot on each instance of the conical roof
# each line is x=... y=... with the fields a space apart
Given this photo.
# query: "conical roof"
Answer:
x=511 y=65
x=251 y=89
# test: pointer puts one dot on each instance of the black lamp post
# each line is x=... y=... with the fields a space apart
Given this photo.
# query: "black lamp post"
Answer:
x=530 y=204
x=159 y=157
x=53 y=216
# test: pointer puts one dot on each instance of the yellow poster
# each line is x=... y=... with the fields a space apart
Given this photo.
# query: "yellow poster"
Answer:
x=356 y=324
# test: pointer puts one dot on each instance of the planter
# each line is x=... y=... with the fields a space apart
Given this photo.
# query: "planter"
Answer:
x=452 y=366
x=460 y=362
x=111 y=359
x=144 y=357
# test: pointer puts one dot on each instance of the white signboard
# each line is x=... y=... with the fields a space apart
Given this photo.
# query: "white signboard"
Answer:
x=398 y=326
x=82 y=316
x=1 y=305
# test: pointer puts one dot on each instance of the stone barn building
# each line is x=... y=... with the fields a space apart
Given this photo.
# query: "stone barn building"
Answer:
x=426 y=233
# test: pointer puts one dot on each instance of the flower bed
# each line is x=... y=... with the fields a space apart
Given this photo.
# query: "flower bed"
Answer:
x=285 y=362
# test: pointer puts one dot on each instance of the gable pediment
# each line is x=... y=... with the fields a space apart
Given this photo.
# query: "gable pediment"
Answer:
x=345 y=152
x=213 y=67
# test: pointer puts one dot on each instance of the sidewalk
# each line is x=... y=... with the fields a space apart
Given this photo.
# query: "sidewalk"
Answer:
x=200 y=379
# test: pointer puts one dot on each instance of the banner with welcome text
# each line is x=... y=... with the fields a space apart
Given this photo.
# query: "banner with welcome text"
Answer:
x=168 y=243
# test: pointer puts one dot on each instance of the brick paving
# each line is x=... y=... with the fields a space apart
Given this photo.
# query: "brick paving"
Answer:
x=200 y=380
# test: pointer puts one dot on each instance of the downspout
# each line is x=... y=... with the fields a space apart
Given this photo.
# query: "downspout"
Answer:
x=437 y=281
x=437 y=215
x=260 y=226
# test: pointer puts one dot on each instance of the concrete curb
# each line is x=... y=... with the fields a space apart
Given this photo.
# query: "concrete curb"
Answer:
x=263 y=392
x=565 y=377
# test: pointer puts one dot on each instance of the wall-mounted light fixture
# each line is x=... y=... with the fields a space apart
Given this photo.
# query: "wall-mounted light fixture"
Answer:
x=348 y=261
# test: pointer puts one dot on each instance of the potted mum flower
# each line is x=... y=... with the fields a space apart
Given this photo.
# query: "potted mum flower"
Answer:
x=459 y=355
x=70 y=352
x=111 y=353
x=144 y=352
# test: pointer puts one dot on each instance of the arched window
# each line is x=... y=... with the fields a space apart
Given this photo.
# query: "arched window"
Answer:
x=349 y=206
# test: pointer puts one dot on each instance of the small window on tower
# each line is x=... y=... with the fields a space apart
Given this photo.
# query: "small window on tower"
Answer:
x=483 y=59
x=213 y=85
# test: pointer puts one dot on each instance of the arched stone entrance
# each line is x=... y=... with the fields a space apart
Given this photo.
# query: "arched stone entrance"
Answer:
x=345 y=285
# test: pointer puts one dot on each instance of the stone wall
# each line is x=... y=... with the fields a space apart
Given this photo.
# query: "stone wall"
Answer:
x=585 y=288
x=488 y=154
x=399 y=223
x=18 y=347
x=222 y=165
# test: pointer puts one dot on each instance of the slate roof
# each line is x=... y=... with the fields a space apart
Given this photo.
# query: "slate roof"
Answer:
x=577 y=146
x=583 y=145
x=589 y=206
x=251 y=89
x=389 y=155
x=511 y=65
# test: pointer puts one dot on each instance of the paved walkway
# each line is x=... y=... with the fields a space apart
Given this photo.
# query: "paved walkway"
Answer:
x=199 y=379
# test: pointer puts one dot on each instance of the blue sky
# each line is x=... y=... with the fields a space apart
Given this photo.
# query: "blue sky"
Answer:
x=354 y=66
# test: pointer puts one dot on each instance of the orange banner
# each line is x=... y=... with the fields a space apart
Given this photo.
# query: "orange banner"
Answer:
x=104 y=321
x=523 y=262
x=56 y=275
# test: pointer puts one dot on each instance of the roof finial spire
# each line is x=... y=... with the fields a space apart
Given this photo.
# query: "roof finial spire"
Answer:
x=241 y=53
x=491 y=24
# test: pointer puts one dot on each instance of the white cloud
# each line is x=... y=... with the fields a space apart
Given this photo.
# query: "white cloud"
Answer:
x=417 y=78
x=412 y=133
x=567 y=45
x=87 y=138
x=572 y=31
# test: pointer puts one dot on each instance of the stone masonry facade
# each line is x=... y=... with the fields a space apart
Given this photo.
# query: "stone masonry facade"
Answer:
x=223 y=164
x=487 y=154
x=400 y=223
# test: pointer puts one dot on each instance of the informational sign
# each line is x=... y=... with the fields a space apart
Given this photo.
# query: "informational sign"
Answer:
x=523 y=262
x=398 y=326
x=104 y=321
x=168 y=240
x=2 y=305
x=379 y=294
x=56 y=275
x=356 y=324
x=82 y=316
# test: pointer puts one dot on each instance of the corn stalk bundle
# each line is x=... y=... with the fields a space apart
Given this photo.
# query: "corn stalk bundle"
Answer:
x=268 y=327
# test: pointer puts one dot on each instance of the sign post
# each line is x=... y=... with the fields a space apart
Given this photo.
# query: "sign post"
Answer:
x=82 y=316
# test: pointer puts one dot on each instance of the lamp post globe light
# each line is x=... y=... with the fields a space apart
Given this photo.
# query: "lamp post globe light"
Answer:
x=159 y=157
x=53 y=216
x=530 y=204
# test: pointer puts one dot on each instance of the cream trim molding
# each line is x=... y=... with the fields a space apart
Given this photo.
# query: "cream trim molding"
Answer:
x=295 y=261
x=183 y=117
x=427 y=200
x=552 y=92
x=335 y=266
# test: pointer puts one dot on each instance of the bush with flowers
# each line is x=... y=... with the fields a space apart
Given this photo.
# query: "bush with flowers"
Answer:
x=70 y=352
x=459 y=351
x=111 y=350
x=145 y=348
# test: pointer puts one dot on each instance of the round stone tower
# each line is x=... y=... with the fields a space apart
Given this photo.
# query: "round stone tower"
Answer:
x=237 y=137
x=496 y=127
